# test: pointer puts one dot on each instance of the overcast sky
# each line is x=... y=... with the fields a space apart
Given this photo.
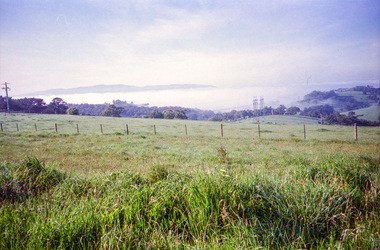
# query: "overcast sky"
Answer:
x=227 y=43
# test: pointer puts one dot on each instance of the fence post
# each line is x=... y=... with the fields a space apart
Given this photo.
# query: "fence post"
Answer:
x=221 y=129
x=1 y=125
x=78 y=128
x=56 y=128
x=35 y=126
x=186 y=129
x=126 y=126
x=154 y=126
x=17 y=127
x=258 y=127
x=101 y=128
x=356 y=131
x=304 y=131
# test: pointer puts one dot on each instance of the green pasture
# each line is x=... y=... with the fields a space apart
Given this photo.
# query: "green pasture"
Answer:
x=358 y=95
x=271 y=127
x=170 y=190
x=284 y=119
x=370 y=113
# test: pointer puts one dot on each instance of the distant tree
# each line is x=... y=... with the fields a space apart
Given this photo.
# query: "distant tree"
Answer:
x=205 y=115
x=90 y=109
x=256 y=113
x=267 y=110
x=32 y=105
x=317 y=96
x=237 y=115
x=15 y=105
x=216 y=118
x=318 y=111
x=72 y=111
x=245 y=113
x=155 y=114
x=292 y=110
x=180 y=114
x=339 y=119
x=49 y=110
x=112 y=111
x=169 y=114
x=280 y=110
x=3 y=103
x=230 y=116
x=56 y=106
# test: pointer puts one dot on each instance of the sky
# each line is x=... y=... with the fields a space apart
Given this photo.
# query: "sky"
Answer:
x=245 y=47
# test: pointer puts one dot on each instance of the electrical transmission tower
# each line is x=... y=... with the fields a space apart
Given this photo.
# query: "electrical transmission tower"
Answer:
x=255 y=102
x=262 y=104
x=6 y=94
x=262 y=107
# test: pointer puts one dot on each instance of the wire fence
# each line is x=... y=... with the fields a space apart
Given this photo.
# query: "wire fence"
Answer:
x=200 y=129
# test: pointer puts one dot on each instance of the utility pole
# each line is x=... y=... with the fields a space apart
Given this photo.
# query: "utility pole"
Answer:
x=6 y=94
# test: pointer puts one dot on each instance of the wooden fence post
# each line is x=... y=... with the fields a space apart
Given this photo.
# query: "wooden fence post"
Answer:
x=35 y=126
x=221 y=129
x=78 y=128
x=101 y=128
x=304 y=131
x=17 y=127
x=1 y=125
x=154 y=126
x=356 y=131
x=186 y=129
x=56 y=128
x=258 y=127
x=126 y=126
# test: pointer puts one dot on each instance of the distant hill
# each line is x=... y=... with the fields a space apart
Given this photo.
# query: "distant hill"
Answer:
x=370 y=114
x=115 y=89
x=343 y=100
x=360 y=104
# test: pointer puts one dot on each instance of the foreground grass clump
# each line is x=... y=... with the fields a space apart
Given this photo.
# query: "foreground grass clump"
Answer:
x=30 y=178
x=328 y=204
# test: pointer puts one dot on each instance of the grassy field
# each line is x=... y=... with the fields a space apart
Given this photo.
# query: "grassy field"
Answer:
x=170 y=190
x=284 y=119
x=358 y=95
x=370 y=114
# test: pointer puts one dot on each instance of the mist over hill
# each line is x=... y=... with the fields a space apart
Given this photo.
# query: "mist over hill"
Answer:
x=360 y=102
x=116 y=89
x=317 y=104
x=344 y=99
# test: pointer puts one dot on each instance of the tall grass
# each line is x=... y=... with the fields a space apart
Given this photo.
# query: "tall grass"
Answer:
x=325 y=205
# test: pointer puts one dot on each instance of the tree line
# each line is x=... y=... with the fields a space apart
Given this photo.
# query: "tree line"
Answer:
x=123 y=109
x=59 y=106
x=316 y=107
x=34 y=105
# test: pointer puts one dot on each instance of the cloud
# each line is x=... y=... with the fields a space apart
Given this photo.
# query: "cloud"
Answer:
x=223 y=43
